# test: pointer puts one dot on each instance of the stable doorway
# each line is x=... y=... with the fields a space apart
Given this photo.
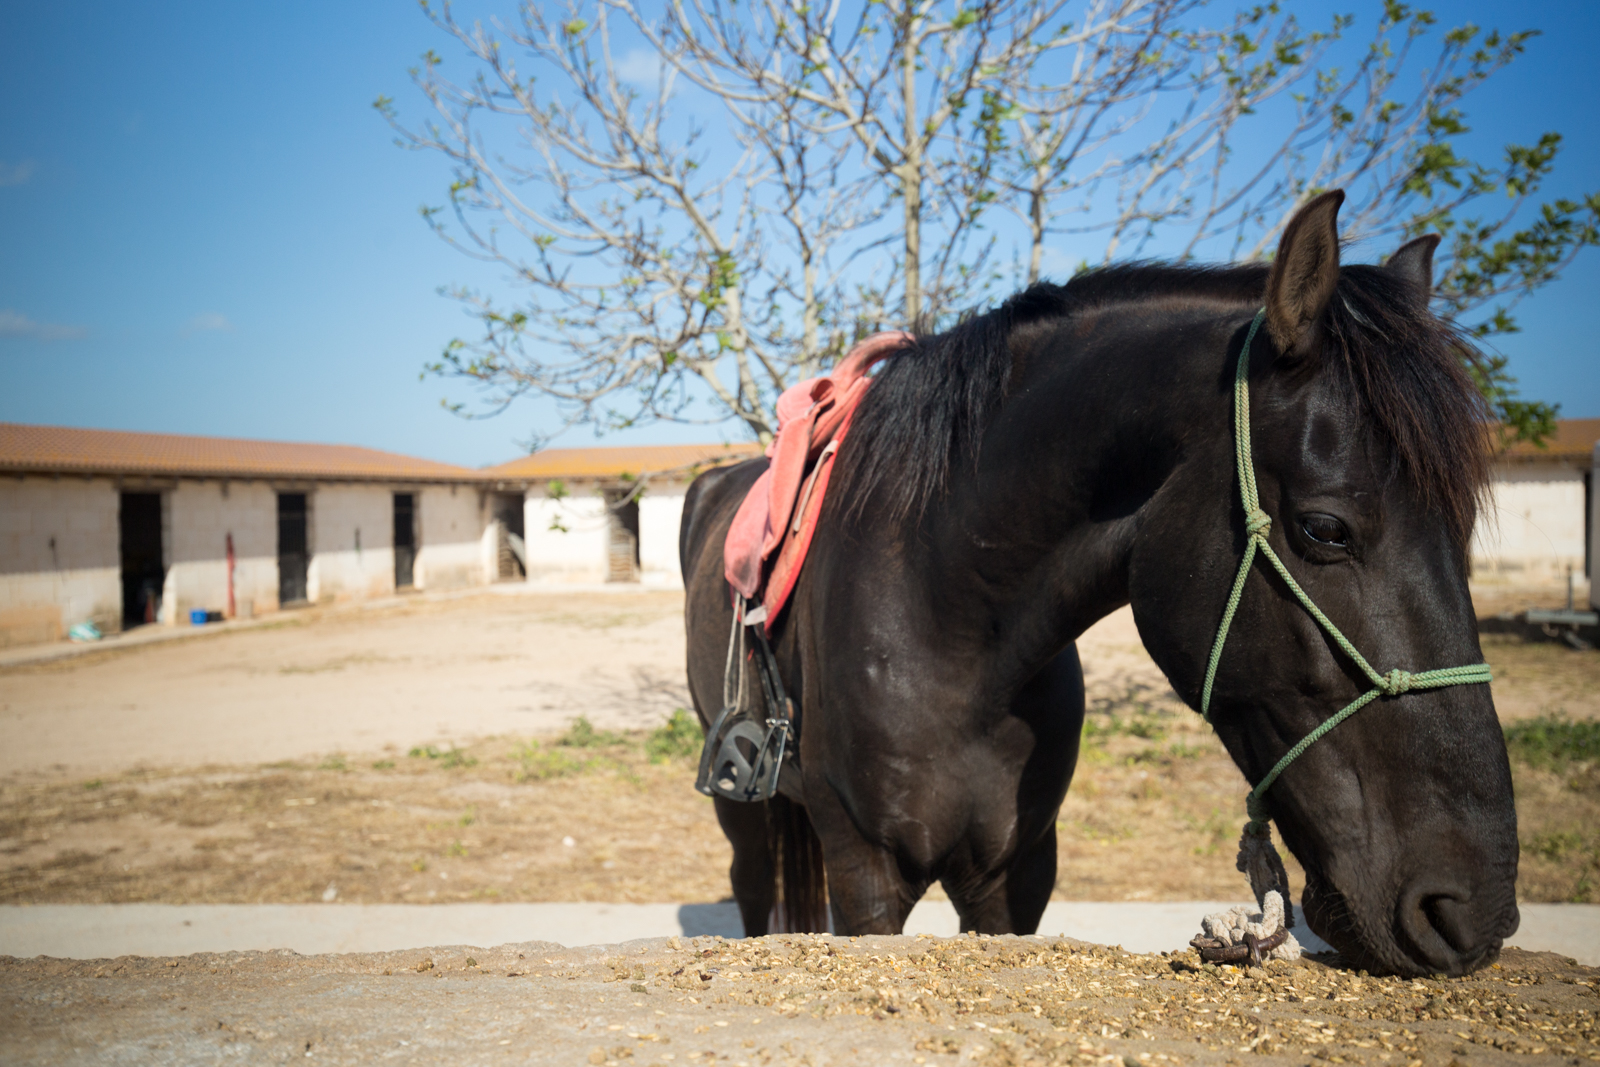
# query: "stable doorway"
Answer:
x=511 y=550
x=294 y=556
x=405 y=540
x=143 y=574
x=622 y=525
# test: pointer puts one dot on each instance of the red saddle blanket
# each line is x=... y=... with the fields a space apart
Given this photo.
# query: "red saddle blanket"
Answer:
x=772 y=529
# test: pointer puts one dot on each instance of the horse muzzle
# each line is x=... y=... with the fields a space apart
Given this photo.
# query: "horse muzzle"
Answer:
x=1437 y=924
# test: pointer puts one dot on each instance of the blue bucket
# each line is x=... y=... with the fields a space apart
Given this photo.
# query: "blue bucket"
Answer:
x=197 y=617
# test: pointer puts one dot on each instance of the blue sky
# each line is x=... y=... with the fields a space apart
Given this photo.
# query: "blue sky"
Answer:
x=204 y=227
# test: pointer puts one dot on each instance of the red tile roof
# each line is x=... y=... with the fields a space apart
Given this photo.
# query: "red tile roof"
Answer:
x=618 y=461
x=60 y=449
x=1574 y=439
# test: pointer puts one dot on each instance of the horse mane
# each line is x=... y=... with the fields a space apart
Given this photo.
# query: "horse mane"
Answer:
x=1389 y=355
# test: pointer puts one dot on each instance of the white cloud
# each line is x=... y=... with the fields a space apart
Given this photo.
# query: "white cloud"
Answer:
x=209 y=320
x=16 y=324
x=15 y=173
x=641 y=67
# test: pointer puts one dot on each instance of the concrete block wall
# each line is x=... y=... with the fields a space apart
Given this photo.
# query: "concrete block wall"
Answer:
x=59 y=562
x=351 y=538
x=200 y=516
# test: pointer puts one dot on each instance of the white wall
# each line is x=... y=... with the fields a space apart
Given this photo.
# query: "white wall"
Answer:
x=1531 y=529
x=450 y=521
x=574 y=552
x=59 y=561
x=660 y=514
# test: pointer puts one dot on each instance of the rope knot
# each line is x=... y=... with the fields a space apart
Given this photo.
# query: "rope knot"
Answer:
x=1257 y=523
x=1396 y=682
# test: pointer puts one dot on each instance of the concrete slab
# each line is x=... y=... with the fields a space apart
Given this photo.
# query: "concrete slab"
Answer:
x=94 y=931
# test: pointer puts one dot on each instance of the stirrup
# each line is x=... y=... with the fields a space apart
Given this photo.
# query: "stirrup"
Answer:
x=743 y=761
x=740 y=760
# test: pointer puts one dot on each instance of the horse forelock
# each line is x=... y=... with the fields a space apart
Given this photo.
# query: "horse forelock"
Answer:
x=1408 y=369
x=1388 y=355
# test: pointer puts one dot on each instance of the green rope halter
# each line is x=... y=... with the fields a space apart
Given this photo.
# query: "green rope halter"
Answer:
x=1259 y=525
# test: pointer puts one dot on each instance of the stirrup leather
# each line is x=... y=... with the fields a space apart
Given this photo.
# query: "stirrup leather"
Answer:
x=743 y=756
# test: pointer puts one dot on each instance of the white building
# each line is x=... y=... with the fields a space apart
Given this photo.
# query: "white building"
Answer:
x=1539 y=520
x=605 y=514
x=119 y=529
x=122 y=529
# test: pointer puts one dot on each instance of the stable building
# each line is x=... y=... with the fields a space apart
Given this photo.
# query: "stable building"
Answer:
x=121 y=529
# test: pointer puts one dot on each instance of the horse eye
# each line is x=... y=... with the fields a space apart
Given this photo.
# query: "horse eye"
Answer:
x=1325 y=529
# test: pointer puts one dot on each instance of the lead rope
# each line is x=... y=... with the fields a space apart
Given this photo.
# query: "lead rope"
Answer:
x=1258 y=859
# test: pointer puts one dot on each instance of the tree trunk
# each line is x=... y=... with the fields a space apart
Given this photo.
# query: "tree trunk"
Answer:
x=911 y=179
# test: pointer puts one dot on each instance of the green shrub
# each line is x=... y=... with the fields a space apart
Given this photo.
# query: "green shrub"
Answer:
x=582 y=734
x=680 y=737
x=1552 y=741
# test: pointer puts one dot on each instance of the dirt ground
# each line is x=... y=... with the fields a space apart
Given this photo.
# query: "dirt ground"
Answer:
x=790 y=1000
x=190 y=798
x=405 y=673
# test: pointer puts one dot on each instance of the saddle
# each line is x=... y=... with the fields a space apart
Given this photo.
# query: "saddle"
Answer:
x=766 y=546
x=771 y=532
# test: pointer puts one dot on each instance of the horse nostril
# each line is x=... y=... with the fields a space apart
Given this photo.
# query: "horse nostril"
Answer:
x=1452 y=919
x=1450 y=929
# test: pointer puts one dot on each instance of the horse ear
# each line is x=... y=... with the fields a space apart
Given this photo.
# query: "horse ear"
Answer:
x=1304 y=276
x=1414 y=263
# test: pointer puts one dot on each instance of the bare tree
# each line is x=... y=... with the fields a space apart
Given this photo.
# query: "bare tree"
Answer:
x=694 y=250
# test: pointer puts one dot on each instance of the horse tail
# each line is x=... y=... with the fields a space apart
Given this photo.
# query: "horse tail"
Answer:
x=800 y=878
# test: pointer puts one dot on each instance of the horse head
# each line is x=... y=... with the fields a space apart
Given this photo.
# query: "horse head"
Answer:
x=1369 y=452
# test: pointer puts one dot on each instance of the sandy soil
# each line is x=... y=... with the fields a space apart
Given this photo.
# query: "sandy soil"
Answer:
x=199 y=794
x=789 y=1000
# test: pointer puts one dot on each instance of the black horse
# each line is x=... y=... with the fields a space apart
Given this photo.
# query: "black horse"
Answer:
x=1014 y=479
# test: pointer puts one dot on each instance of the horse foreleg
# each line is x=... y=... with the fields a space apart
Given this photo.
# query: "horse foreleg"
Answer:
x=867 y=891
x=1012 y=901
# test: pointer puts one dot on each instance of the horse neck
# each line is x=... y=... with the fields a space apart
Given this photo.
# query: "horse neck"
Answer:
x=1035 y=541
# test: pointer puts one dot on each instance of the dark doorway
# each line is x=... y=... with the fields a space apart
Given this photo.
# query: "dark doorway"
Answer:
x=513 y=548
x=293 y=554
x=405 y=540
x=622 y=560
x=143 y=575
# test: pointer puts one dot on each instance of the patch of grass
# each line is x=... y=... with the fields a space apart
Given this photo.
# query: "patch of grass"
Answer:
x=536 y=763
x=1555 y=846
x=1217 y=828
x=1553 y=741
x=332 y=763
x=93 y=783
x=680 y=737
x=456 y=849
x=449 y=758
x=582 y=734
x=383 y=765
